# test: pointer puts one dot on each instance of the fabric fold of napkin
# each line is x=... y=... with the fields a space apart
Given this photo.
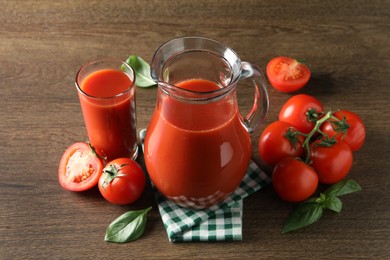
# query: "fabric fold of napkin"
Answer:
x=221 y=222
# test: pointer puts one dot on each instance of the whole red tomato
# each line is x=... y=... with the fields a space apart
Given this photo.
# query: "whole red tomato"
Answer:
x=354 y=130
x=279 y=140
x=287 y=74
x=301 y=111
x=293 y=180
x=122 y=181
x=80 y=167
x=332 y=163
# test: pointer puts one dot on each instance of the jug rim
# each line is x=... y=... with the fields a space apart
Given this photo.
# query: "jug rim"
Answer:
x=192 y=95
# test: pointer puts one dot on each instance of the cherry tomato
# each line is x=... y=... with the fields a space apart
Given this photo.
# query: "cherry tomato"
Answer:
x=279 y=140
x=80 y=167
x=355 y=132
x=301 y=111
x=122 y=181
x=287 y=74
x=332 y=163
x=293 y=180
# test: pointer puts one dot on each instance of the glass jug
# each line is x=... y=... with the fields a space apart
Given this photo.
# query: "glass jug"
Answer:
x=197 y=145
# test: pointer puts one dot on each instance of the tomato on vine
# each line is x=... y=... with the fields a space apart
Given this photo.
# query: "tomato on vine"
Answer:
x=331 y=161
x=302 y=111
x=349 y=127
x=279 y=140
x=293 y=180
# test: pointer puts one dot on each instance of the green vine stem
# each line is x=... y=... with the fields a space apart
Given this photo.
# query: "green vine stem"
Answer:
x=319 y=122
x=95 y=153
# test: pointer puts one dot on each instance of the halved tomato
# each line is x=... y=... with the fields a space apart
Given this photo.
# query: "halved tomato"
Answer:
x=80 y=167
x=287 y=74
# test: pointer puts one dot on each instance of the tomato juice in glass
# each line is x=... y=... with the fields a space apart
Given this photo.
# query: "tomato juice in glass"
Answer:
x=106 y=92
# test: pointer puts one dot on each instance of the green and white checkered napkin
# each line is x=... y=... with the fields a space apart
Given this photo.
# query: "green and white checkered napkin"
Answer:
x=218 y=223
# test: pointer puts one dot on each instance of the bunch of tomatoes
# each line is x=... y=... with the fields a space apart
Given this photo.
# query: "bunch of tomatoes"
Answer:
x=307 y=145
x=120 y=181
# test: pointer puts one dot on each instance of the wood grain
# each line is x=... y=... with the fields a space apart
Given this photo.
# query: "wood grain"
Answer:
x=42 y=45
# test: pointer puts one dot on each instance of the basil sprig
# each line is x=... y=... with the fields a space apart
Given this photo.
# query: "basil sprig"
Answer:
x=142 y=71
x=127 y=227
x=311 y=210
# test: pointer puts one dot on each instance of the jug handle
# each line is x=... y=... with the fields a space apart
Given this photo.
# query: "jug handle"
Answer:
x=261 y=102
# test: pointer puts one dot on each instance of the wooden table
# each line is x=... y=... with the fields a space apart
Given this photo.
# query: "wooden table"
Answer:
x=43 y=44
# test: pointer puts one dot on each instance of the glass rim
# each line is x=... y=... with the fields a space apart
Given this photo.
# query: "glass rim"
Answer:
x=122 y=63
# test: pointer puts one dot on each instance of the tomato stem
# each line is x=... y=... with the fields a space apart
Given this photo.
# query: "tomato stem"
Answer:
x=112 y=172
x=322 y=133
x=312 y=115
x=93 y=151
x=316 y=129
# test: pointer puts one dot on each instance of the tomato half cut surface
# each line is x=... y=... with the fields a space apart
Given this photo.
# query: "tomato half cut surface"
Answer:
x=80 y=167
x=287 y=74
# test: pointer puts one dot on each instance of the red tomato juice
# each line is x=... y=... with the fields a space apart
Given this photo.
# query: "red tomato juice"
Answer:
x=109 y=112
x=197 y=154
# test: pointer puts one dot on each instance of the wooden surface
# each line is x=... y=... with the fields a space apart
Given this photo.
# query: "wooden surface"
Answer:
x=42 y=45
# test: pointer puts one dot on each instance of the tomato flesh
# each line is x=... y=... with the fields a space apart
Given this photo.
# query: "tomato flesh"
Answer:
x=80 y=168
x=287 y=74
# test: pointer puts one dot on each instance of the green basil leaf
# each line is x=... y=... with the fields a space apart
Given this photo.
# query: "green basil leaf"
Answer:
x=127 y=227
x=333 y=203
x=142 y=71
x=342 y=188
x=305 y=214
